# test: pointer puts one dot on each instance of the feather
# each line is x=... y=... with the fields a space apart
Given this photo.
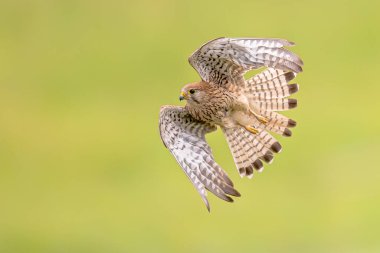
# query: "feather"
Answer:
x=224 y=61
x=185 y=138
x=249 y=150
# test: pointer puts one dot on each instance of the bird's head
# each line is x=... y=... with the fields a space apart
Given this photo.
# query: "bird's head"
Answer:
x=193 y=93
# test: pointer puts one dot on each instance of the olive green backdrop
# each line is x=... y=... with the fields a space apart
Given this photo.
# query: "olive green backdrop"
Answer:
x=82 y=166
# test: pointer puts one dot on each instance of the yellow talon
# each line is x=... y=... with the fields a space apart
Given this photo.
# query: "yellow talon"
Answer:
x=259 y=117
x=262 y=119
x=252 y=129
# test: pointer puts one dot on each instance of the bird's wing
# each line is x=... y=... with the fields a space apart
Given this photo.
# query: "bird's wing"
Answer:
x=225 y=60
x=185 y=138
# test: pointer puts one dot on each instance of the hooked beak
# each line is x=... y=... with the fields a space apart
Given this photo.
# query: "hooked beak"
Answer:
x=182 y=96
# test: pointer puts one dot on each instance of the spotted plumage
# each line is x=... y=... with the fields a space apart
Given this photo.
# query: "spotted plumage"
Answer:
x=245 y=110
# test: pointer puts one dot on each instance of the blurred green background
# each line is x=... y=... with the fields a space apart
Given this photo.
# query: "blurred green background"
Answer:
x=82 y=167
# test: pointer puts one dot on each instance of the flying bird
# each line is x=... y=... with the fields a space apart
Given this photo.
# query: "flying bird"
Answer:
x=245 y=109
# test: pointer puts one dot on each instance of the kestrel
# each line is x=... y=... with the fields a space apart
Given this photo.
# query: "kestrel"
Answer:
x=245 y=110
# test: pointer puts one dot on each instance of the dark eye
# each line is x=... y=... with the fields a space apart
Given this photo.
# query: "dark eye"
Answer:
x=192 y=91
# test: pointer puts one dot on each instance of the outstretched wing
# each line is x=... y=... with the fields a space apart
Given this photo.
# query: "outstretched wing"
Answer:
x=185 y=138
x=225 y=60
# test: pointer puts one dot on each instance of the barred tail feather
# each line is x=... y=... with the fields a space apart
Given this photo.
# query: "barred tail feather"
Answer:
x=249 y=150
x=277 y=123
x=268 y=79
x=245 y=158
x=268 y=91
x=275 y=92
x=278 y=119
x=276 y=104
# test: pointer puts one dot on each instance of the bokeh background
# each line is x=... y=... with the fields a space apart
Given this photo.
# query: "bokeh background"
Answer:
x=82 y=167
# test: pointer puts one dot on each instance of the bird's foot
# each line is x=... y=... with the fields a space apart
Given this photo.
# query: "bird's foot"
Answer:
x=259 y=117
x=252 y=129
x=262 y=119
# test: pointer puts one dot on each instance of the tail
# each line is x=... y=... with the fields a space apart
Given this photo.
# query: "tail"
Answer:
x=267 y=93
x=249 y=150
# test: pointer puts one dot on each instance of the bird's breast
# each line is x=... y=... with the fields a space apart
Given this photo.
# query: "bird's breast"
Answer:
x=213 y=111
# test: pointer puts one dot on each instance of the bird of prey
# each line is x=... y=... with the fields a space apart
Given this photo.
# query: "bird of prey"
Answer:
x=245 y=110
